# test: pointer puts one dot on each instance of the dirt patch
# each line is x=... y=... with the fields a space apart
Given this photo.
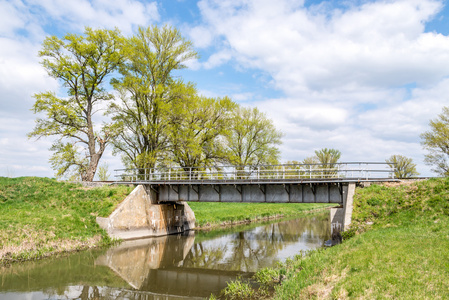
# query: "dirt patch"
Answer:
x=324 y=288
x=405 y=182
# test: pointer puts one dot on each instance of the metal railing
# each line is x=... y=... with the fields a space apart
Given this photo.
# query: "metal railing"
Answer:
x=348 y=170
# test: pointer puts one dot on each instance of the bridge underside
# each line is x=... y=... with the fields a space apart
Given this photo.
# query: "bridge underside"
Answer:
x=251 y=193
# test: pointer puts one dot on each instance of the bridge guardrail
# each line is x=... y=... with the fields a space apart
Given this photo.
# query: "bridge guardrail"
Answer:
x=349 y=170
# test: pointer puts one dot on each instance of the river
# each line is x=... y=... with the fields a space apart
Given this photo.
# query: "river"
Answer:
x=188 y=266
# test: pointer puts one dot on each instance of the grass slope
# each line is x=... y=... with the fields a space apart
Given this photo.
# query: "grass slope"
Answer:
x=400 y=249
x=40 y=216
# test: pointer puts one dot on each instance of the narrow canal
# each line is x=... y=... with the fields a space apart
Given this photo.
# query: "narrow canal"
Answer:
x=192 y=265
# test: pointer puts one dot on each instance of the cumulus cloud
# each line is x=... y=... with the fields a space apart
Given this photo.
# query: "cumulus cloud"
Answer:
x=372 y=45
x=362 y=78
x=123 y=14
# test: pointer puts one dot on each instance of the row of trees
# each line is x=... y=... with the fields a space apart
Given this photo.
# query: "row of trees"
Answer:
x=325 y=161
x=153 y=117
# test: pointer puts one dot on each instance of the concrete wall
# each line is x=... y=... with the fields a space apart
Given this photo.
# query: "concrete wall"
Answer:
x=139 y=215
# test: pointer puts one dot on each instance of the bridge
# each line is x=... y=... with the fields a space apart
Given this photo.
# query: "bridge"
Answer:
x=158 y=206
x=308 y=183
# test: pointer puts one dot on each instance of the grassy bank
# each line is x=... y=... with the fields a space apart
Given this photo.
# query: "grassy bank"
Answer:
x=400 y=250
x=41 y=216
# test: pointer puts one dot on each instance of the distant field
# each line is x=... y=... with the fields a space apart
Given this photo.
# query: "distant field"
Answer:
x=211 y=213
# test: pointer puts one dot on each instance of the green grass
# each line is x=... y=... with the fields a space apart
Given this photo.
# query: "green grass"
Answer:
x=400 y=250
x=41 y=215
x=209 y=213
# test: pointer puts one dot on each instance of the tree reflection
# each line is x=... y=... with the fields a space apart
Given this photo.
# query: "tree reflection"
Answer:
x=256 y=248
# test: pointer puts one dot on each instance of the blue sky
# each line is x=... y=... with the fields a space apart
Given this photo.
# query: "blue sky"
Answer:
x=364 y=77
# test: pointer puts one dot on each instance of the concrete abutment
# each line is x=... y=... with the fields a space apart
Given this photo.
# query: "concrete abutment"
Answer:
x=341 y=216
x=140 y=216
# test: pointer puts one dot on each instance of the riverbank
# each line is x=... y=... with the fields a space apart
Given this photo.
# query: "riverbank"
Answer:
x=399 y=249
x=42 y=217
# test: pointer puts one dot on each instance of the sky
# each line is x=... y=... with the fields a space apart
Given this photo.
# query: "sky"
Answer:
x=364 y=77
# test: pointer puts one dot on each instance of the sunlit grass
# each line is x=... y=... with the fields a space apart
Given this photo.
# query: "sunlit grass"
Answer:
x=42 y=215
x=403 y=255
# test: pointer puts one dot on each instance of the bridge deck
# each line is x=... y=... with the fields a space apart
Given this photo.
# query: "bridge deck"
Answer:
x=319 y=183
x=256 y=181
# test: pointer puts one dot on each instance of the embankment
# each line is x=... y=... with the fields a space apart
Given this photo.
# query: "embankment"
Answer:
x=397 y=247
x=41 y=217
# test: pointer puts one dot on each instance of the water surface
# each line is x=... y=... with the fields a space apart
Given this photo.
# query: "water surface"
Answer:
x=192 y=265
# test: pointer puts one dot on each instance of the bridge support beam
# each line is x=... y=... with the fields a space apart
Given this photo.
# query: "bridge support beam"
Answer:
x=341 y=216
x=139 y=216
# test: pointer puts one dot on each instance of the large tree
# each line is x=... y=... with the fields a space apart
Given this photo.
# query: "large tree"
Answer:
x=251 y=139
x=82 y=64
x=148 y=90
x=196 y=130
x=403 y=166
x=436 y=141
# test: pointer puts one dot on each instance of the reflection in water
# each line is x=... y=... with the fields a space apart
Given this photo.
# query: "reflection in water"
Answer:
x=190 y=265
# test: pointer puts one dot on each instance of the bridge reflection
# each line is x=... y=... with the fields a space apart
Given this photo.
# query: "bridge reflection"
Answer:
x=180 y=265
x=169 y=267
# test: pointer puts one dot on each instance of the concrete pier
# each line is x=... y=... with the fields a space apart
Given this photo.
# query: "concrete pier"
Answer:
x=341 y=216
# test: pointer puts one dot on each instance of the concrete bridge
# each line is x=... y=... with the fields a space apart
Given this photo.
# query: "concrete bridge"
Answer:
x=170 y=188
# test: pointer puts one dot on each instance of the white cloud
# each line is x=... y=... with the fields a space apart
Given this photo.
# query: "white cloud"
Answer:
x=200 y=36
x=372 y=45
x=346 y=73
x=217 y=59
x=123 y=14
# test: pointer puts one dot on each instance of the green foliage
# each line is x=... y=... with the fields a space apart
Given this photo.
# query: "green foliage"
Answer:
x=251 y=139
x=267 y=276
x=436 y=142
x=322 y=164
x=238 y=289
x=149 y=93
x=196 y=128
x=103 y=172
x=81 y=63
x=328 y=157
x=403 y=166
